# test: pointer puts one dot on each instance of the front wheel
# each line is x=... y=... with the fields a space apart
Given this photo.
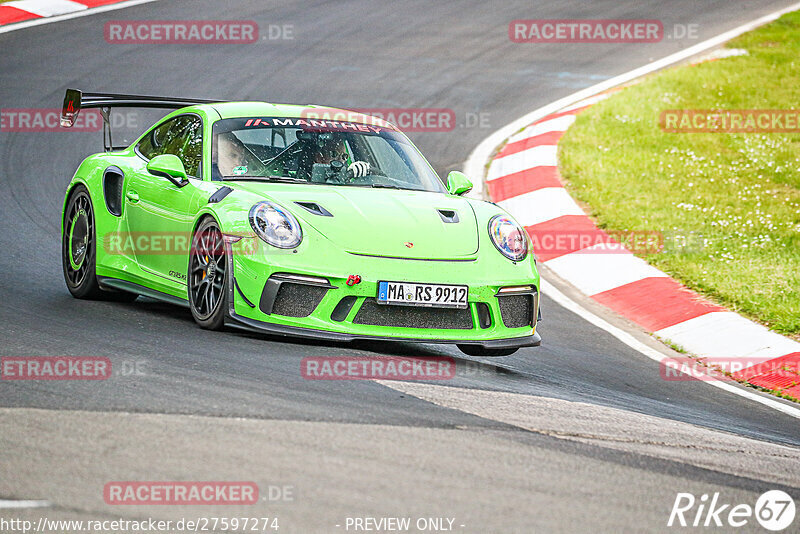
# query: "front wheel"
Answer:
x=208 y=276
x=477 y=350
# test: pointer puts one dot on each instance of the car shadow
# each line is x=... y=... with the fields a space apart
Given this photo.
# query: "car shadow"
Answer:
x=465 y=365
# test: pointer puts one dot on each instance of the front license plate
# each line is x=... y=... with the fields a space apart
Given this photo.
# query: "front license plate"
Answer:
x=411 y=294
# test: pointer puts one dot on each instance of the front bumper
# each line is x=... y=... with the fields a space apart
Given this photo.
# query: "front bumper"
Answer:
x=278 y=293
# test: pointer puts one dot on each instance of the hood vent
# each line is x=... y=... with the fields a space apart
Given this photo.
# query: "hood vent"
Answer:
x=315 y=208
x=448 y=216
x=220 y=193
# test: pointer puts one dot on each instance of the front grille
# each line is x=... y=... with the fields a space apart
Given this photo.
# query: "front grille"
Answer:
x=516 y=310
x=374 y=314
x=297 y=300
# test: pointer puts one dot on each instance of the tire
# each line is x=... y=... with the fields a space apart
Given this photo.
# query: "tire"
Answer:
x=207 y=279
x=79 y=251
x=78 y=246
x=477 y=350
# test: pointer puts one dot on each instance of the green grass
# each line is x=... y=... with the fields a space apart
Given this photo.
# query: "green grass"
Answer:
x=727 y=204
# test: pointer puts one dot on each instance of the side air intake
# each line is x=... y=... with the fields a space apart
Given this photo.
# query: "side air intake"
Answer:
x=112 y=190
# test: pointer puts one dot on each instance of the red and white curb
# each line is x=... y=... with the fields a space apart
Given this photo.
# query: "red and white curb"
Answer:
x=523 y=178
x=22 y=11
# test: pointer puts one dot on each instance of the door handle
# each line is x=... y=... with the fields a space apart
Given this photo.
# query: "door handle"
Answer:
x=133 y=196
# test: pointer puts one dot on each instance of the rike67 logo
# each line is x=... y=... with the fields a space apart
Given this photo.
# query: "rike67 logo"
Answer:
x=774 y=510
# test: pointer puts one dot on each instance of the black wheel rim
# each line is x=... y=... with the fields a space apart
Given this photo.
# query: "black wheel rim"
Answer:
x=77 y=240
x=207 y=271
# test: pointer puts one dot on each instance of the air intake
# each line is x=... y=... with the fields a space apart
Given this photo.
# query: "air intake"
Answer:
x=316 y=209
x=372 y=313
x=448 y=216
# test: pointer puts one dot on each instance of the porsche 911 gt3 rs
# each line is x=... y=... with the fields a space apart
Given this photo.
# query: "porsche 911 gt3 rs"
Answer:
x=262 y=216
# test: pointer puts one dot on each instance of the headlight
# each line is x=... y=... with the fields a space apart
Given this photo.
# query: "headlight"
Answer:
x=508 y=237
x=275 y=225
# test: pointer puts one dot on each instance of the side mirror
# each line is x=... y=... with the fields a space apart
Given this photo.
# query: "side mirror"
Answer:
x=170 y=167
x=458 y=183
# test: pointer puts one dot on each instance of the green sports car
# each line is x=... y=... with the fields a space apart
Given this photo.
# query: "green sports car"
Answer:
x=295 y=220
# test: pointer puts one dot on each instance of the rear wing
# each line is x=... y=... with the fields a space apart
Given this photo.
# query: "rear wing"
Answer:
x=75 y=101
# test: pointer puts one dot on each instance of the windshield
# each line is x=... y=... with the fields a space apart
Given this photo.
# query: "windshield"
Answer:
x=318 y=152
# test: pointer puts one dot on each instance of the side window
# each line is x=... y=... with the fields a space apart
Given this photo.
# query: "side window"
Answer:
x=150 y=146
x=192 y=153
x=181 y=136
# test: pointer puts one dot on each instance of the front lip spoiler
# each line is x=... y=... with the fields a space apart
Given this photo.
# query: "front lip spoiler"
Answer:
x=294 y=331
x=233 y=319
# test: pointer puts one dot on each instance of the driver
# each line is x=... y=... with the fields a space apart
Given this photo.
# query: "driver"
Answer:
x=233 y=157
x=335 y=149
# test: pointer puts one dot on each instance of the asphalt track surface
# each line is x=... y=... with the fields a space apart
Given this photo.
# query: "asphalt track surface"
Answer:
x=527 y=459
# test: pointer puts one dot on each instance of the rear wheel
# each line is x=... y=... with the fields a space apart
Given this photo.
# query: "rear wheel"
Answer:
x=477 y=350
x=208 y=276
x=79 y=248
